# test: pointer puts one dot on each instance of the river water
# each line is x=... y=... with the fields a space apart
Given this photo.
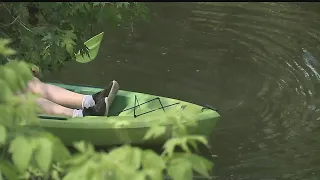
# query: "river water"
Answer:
x=256 y=62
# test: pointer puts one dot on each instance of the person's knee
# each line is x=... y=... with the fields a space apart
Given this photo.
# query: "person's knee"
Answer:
x=35 y=86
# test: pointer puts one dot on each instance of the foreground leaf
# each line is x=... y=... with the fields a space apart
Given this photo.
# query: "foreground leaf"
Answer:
x=8 y=170
x=154 y=174
x=180 y=169
x=78 y=159
x=183 y=142
x=84 y=147
x=21 y=149
x=199 y=164
x=55 y=175
x=60 y=152
x=151 y=160
x=196 y=138
x=3 y=134
x=44 y=153
x=85 y=171
x=127 y=155
x=154 y=132
x=6 y=92
x=10 y=77
x=170 y=145
x=6 y=51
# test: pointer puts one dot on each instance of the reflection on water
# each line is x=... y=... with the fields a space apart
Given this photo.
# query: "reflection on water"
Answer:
x=257 y=62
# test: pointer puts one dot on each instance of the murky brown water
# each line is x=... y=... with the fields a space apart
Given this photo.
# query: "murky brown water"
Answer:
x=256 y=62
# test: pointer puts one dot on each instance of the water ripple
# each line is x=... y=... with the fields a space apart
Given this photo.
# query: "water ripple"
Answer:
x=270 y=34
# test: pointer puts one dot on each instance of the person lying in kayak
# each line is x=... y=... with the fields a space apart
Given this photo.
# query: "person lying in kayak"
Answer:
x=53 y=99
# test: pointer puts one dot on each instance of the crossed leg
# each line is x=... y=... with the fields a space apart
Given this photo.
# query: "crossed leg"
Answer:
x=50 y=107
x=53 y=99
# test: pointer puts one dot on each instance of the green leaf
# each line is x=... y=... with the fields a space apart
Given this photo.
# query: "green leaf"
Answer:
x=22 y=68
x=6 y=51
x=170 y=145
x=58 y=167
x=22 y=71
x=135 y=158
x=55 y=175
x=6 y=92
x=130 y=156
x=138 y=176
x=84 y=171
x=3 y=134
x=180 y=169
x=44 y=153
x=151 y=160
x=78 y=159
x=154 y=174
x=154 y=132
x=21 y=149
x=153 y=165
x=7 y=113
x=8 y=170
x=84 y=147
x=194 y=145
x=10 y=77
x=68 y=41
x=199 y=164
x=47 y=37
x=197 y=138
x=80 y=146
x=61 y=153
x=93 y=45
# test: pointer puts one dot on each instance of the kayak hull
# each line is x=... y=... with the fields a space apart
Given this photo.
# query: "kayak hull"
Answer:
x=130 y=117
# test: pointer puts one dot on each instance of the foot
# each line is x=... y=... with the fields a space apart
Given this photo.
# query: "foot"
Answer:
x=103 y=100
x=100 y=109
x=110 y=92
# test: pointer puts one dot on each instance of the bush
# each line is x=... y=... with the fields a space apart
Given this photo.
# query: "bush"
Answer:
x=48 y=33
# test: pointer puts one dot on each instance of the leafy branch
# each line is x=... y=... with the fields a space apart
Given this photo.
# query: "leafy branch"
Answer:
x=16 y=18
x=47 y=34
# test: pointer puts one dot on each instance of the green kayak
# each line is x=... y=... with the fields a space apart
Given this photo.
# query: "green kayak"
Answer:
x=129 y=118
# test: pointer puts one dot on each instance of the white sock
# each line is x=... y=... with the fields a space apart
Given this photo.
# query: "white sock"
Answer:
x=77 y=113
x=87 y=101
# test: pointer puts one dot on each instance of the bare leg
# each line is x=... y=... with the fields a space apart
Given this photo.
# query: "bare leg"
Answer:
x=49 y=107
x=84 y=105
x=55 y=94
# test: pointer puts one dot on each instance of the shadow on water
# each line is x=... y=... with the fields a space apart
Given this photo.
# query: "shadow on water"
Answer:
x=257 y=62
